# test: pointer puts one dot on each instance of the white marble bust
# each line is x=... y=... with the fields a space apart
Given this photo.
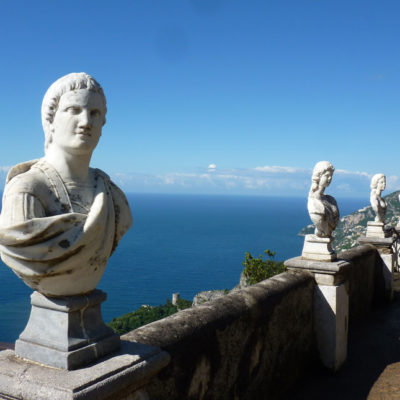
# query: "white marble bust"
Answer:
x=378 y=185
x=61 y=219
x=322 y=208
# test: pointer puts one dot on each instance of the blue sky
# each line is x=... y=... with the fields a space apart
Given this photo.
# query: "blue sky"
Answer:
x=215 y=96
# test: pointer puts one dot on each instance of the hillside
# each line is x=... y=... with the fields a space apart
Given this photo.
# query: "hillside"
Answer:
x=352 y=226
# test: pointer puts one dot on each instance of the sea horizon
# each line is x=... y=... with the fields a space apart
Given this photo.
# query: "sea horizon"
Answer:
x=182 y=243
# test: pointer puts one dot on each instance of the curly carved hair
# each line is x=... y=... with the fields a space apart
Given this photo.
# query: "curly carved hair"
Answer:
x=320 y=168
x=375 y=180
x=67 y=83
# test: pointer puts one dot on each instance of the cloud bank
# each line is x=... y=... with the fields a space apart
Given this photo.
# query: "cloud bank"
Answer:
x=261 y=180
x=267 y=180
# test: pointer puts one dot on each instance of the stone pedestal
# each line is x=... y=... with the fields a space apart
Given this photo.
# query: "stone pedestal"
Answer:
x=377 y=230
x=317 y=248
x=388 y=252
x=122 y=376
x=331 y=307
x=66 y=332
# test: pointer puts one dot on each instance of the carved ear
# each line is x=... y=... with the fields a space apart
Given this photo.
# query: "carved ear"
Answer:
x=49 y=129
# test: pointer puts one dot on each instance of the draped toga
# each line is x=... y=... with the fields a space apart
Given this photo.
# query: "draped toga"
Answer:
x=57 y=247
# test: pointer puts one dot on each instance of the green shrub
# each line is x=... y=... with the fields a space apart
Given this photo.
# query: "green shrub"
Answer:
x=146 y=314
x=257 y=269
x=182 y=304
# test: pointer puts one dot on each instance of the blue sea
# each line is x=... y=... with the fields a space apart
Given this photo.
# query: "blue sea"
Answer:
x=181 y=243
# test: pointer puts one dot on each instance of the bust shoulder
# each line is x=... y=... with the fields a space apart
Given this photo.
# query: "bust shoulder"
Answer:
x=25 y=178
x=29 y=178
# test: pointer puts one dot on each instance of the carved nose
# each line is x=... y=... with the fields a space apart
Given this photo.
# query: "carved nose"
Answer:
x=85 y=121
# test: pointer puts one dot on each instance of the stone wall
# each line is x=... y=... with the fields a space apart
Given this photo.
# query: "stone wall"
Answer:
x=254 y=343
x=365 y=281
x=251 y=344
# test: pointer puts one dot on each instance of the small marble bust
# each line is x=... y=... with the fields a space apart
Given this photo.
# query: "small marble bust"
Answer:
x=61 y=220
x=378 y=185
x=322 y=208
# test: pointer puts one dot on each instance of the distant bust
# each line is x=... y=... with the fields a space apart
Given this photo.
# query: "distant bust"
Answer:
x=378 y=185
x=322 y=208
x=61 y=219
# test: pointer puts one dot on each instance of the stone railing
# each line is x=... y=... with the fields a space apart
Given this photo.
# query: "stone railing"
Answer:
x=257 y=342
x=251 y=344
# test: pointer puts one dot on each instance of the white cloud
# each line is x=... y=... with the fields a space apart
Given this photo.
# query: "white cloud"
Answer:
x=267 y=180
x=279 y=169
x=346 y=172
x=212 y=167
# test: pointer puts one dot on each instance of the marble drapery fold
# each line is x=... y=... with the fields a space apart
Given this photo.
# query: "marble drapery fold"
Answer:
x=52 y=241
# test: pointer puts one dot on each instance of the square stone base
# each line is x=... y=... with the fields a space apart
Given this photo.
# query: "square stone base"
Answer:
x=114 y=377
x=317 y=248
x=377 y=229
x=66 y=332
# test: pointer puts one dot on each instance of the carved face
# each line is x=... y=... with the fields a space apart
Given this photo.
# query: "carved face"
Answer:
x=77 y=124
x=325 y=179
x=381 y=184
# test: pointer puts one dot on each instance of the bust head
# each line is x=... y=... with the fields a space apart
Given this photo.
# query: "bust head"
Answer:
x=322 y=175
x=73 y=82
x=378 y=181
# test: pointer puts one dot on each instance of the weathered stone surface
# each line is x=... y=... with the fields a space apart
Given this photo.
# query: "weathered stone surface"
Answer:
x=387 y=260
x=331 y=324
x=364 y=280
x=239 y=346
x=378 y=204
x=60 y=222
x=66 y=332
x=61 y=219
x=379 y=243
x=327 y=273
x=318 y=249
x=331 y=307
x=377 y=230
x=112 y=378
x=203 y=297
x=323 y=209
x=373 y=361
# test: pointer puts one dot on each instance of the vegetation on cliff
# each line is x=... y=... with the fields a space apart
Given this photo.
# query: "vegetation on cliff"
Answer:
x=351 y=227
x=146 y=314
x=257 y=269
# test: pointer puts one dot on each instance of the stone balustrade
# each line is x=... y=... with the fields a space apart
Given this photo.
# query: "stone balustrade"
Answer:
x=253 y=343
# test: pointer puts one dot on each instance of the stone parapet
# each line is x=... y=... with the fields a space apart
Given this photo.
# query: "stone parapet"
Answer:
x=387 y=249
x=117 y=377
x=331 y=307
x=327 y=273
x=251 y=344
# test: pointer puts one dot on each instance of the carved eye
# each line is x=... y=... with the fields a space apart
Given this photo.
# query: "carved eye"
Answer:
x=74 y=110
x=95 y=113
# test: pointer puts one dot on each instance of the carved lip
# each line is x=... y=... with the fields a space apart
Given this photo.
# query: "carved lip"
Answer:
x=84 y=133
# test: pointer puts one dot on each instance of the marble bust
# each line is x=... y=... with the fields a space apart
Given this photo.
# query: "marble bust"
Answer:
x=322 y=208
x=378 y=185
x=61 y=220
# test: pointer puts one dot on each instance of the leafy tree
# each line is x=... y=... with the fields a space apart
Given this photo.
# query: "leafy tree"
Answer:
x=182 y=304
x=146 y=314
x=257 y=269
